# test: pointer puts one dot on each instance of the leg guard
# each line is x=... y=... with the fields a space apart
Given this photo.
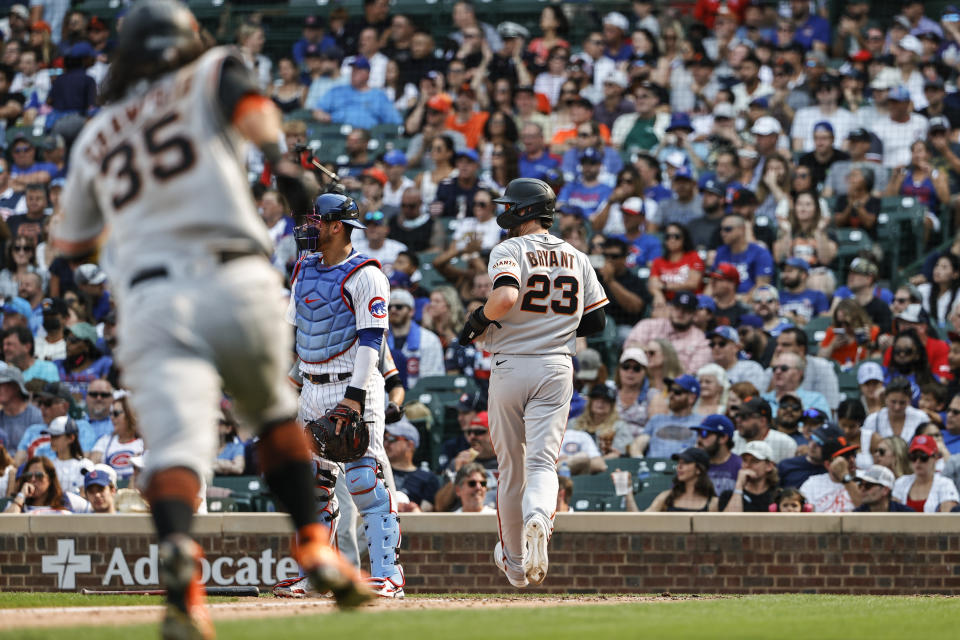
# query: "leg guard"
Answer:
x=380 y=521
x=328 y=511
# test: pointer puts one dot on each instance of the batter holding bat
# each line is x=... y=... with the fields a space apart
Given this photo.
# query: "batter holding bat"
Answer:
x=545 y=294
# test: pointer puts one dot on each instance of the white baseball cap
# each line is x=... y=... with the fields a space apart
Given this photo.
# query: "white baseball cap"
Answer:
x=912 y=44
x=877 y=474
x=724 y=110
x=759 y=450
x=636 y=354
x=765 y=126
x=617 y=20
x=869 y=371
x=617 y=77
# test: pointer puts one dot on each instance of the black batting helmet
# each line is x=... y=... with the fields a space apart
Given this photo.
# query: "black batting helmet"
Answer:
x=526 y=199
x=156 y=37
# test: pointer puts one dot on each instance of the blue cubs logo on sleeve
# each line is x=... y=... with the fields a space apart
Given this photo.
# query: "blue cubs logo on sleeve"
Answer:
x=378 y=308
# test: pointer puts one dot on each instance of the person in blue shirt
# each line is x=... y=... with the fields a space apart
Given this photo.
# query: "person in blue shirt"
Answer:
x=587 y=192
x=536 y=160
x=753 y=262
x=230 y=458
x=357 y=104
x=643 y=247
x=797 y=302
x=84 y=363
x=616 y=28
x=951 y=432
x=312 y=34
x=813 y=32
x=25 y=165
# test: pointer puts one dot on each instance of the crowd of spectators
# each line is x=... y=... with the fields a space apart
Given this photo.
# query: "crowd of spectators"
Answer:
x=714 y=165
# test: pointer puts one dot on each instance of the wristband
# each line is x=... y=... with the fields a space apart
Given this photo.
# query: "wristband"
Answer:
x=355 y=394
x=21 y=496
x=738 y=492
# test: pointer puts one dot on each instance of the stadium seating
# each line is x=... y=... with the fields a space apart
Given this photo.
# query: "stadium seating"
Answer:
x=650 y=476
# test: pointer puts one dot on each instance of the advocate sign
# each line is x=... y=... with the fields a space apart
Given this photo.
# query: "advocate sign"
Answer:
x=262 y=570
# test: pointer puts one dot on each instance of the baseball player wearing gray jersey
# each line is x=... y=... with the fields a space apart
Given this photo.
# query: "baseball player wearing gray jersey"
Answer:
x=545 y=294
x=339 y=307
x=161 y=169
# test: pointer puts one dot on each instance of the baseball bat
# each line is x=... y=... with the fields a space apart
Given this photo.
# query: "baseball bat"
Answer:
x=249 y=592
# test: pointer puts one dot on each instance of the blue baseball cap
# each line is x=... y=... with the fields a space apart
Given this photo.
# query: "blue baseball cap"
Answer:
x=799 y=263
x=683 y=173
x=394 y=158
x=823 y=125
x=680 y=120
x=685 y=382
x=763 y=102
x=706 y=302
x=468 y=153
x=899 y=93
x=591 y=155
x=710 y=185
x=751 y=320
x=19 y=306
x=97 y=477
x=717 y=424
x=403 y=429
x=361 y=62
x=726 y=332
x=825 y=433
x=571 y=210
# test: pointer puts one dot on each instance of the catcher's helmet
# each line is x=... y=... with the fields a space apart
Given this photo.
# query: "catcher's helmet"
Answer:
x=328 y=207
x=526 y=199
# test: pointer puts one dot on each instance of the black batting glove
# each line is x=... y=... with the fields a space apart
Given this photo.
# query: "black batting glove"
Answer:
x=477 y=322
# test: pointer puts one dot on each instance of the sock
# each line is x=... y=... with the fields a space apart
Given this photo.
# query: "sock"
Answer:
x=293 y=484
x=171 y=516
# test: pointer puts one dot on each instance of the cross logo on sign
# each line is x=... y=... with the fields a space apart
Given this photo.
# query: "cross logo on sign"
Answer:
x=66 y=564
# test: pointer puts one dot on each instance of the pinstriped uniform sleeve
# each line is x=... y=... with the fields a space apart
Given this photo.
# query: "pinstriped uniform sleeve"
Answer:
x=594 y=296
x=370 y=291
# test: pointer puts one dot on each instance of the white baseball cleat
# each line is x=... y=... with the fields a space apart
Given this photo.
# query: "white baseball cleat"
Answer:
x=535 y=561
x=501 y=562
x=294 y=588
x=386 y=587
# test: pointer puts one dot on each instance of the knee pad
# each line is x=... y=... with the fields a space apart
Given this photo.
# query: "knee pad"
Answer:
x=365 y=484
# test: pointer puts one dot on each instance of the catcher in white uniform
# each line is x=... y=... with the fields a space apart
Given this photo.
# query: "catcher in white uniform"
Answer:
x=545 y=294
x=161 y=169
x=339 y=307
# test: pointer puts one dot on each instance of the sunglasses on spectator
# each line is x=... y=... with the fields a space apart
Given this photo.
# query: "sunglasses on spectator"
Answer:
x=22 y=149
x=902 y=300
x=718 y=344
x=903 y=352
x=480 y=203
x=46 y=402
x=673 y=236
x=919 y=456
x=953 y=412
x=677 y=391
x=781 y=368
x=628 y=366
x=704 y=433
x=614 y=256
x=727 y=229
x=475 y=432
x=25 y=248
x=868 y=485
x=34 y=475
x=389 y=439
x=116 y=414
x=397 y=307
x=99 y=394
x=764 y=300
x=473 y=484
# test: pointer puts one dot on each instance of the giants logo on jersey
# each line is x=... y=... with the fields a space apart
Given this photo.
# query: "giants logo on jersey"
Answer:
x=378 y=308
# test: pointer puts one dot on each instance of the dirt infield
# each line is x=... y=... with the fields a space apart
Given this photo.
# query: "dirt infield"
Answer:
x=265 y=607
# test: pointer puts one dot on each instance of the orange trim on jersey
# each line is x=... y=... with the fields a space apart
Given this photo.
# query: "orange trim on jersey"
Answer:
x=392 y=372
x=594 y=305
x=250 y=103
x=78 y=247
x=507 y=273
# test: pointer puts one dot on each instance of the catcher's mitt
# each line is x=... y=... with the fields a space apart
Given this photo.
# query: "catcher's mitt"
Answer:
x=349 y=445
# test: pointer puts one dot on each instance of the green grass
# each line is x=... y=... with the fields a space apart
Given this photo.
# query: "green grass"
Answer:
x=748 y=617
x=22 y=600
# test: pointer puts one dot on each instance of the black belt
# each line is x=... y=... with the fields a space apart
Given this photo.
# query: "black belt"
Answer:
x=327 y=378
x=162 y=272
